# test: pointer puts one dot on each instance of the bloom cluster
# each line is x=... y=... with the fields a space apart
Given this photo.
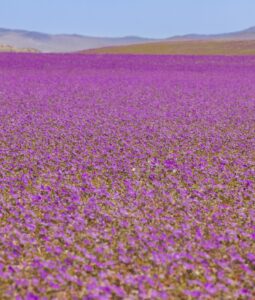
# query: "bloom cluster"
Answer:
x=127 y=177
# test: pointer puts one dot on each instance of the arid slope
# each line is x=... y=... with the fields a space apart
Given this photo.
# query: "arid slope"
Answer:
x=201 y=47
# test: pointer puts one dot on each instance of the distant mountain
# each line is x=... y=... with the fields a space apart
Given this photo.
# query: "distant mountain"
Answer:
x=61 y=42
x=22 y=39
x=247 y=34
x=251 y=30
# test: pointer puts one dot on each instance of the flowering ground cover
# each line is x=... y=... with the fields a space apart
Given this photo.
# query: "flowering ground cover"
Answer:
x=127 y=177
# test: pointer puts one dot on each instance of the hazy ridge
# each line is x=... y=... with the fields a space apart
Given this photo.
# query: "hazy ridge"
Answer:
x=61 y=42
x=31 y=41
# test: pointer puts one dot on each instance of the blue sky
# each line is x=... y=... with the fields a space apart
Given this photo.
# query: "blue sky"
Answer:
x=149 y=18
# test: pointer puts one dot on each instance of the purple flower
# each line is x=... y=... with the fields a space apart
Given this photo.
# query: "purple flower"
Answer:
x=126 y=176
x=170 y=164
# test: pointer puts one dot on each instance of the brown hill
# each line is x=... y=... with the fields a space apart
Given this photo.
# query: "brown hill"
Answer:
x=188 y=47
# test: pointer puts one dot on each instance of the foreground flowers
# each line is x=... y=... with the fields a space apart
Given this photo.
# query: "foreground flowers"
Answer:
x=127 y=177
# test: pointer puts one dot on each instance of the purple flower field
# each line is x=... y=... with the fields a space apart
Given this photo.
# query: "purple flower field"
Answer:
x=127 y=177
